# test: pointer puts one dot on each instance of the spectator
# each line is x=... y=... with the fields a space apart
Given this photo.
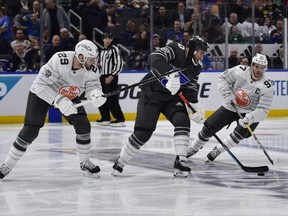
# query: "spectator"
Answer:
x=81 y=37
x=141 y=6
x=128 y=37
x=210 y=18
x=186 y=38
x=33 y=26
x=66 y=41
x=20 y=60
x=234 y=37
x=46 y=39
x=268 y=9
x=181 y=15
x=111 y=15
x=53 y=48
x=214 y=33
x=24 y=7
x=239 y=10
x=36 y=8
x=278 y=61
x=4 y=64
x=233 y=59
x=5 y=26
x=265 y=30
x=276 y=35
x=244 y=61
x=122 y=4
x=175 y=35
x=140 y=52
x=247 y=29
x=233 y=21
x=190 y=5
x=20 y=37
x=35 y=54
x=193 y=26
x=54 y=17
x=156 y=43
x=94 y=17
x=162 y=19
x=6 y=49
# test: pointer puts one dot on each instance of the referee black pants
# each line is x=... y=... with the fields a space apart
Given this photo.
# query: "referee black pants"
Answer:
x=112 y=104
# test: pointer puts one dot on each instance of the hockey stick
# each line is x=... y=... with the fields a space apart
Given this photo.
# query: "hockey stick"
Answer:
x=252 y=134
x=259 y=169
x=149 y=80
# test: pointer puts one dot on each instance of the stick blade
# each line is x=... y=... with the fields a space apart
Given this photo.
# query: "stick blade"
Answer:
x=259 y=169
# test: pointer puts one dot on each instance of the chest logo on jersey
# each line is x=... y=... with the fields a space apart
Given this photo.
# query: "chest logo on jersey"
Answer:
x=242 y=98
x=69 y=91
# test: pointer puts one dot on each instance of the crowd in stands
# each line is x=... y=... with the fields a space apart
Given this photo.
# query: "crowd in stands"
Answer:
x=129 y=21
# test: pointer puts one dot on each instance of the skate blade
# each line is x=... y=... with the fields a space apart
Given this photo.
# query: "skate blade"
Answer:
x=103 y=124
x=115 y=173
x=181 y=174
x=209 y=161
x=91 y=175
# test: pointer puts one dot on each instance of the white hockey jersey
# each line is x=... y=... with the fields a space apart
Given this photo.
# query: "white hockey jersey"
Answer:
x=58 y=77
x=254 y=97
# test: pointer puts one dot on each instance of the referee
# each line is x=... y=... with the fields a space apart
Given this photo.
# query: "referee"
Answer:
x=111 y=65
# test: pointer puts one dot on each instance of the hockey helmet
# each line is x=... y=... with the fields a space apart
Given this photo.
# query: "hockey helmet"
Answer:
x=107 y=35
x=86 y=48
x=260 y=59
x=197 y=43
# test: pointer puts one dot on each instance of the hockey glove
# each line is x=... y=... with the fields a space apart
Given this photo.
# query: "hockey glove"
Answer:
x=96 y=98
x=247 y=120
x=173 y=84
x=199 y=115
x=228 y=97
x=65 y=105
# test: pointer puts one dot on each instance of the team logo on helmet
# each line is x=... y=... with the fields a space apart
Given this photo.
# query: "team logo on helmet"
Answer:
x=242 y=98
x=85 y=46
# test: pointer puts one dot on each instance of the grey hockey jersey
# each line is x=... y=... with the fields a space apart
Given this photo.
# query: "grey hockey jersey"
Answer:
x=58 y=77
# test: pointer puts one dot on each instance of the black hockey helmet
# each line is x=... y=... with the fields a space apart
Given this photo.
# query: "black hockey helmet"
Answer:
x=197 y=43
x=107 y=35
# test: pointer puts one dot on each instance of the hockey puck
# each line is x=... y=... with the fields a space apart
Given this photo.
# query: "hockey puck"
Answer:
x=261 y=174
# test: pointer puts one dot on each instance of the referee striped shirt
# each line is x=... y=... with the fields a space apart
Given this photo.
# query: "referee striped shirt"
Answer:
x=111 y=61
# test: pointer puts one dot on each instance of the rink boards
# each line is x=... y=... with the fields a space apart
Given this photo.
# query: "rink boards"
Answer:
x=14 y=88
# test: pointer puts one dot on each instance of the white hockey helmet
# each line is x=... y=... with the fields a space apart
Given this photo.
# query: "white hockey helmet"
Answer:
x=260 y=59
x=86 y=48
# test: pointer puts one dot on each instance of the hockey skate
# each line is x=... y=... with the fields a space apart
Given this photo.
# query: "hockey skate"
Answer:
x=117 y=169
x=102 y=122
x=89 y=169
x=117 y=123
x=4 y=170
x=181 y=168
x=213 y=154
x=191 y=152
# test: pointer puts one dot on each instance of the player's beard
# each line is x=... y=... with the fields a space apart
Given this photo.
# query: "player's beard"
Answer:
x=86 y=67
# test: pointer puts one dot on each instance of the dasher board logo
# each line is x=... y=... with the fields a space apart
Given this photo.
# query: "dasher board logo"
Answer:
x=7 y=83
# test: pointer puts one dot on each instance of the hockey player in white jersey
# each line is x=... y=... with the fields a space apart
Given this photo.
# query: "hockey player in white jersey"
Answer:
x=60 y=82
x=251 y=91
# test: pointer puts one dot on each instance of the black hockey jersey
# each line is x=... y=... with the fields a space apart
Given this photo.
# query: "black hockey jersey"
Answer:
x=165 y=59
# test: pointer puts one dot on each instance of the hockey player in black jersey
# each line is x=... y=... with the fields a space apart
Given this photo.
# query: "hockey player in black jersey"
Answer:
x=161 y=97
